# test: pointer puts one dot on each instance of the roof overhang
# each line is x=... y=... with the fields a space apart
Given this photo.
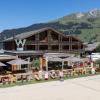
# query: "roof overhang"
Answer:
x=30 y=33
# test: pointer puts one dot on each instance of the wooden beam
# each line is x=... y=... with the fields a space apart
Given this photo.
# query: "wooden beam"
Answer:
x=37 y=41
x=49 y=39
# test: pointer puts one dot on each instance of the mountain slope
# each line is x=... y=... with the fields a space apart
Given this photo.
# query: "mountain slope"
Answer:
x=84 y=25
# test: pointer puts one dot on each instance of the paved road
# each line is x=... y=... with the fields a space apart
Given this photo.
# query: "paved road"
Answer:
x=87 y=88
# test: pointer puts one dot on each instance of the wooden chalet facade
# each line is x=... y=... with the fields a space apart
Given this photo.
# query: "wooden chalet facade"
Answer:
x=46 y=40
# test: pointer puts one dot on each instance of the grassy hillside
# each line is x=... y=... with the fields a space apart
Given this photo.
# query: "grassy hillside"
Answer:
x=84 y=25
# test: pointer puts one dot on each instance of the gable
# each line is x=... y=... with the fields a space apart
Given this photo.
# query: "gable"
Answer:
x=31 y=33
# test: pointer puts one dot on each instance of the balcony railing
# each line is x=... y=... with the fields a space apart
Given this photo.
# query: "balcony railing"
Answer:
x=52 y=42
x=30 y=42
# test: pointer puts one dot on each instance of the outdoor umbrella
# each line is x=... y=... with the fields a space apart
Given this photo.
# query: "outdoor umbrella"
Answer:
x=18 y=62
x=56 y=59
x=73 y=59
x=2 y=64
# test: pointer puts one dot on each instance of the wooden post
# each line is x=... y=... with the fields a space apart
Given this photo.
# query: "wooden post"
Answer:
x=59 y=39
x=70 y=43
x=49 y=39
x=60 y=43
x=37 y=42
x=41 y=63
x=46 y=64
x=79 y=47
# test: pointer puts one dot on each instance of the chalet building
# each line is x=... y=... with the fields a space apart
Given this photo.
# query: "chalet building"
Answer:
x=41 y=44
x=46 y=40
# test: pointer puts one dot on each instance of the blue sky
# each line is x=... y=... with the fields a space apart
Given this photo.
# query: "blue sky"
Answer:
x=22 y=13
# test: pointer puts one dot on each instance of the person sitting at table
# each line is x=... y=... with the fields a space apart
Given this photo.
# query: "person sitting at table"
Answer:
x=46 y=76
x=40 y=74
x=52 y=74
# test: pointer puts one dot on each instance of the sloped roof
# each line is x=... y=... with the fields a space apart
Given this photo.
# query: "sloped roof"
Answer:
x=26 y=34
x=91 y=47
x=18 y=62
x=2 y=64
x=7 y=57
x=30 y=33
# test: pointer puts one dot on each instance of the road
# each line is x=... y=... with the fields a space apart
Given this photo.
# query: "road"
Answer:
x=87 y=88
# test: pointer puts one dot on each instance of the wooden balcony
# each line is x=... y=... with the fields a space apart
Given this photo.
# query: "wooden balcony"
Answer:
x=30 y=42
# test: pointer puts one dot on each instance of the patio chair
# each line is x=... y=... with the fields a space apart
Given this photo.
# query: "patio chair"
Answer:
x=84 y=71
x=36 y=77
x=46 y=76
x=69 y=72
x=74 y=73
x=5 y=79
x=23 y=78
x=88 y=70
x=52 y=76
x=14 y=79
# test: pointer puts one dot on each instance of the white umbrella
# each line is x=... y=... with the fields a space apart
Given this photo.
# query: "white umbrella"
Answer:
x=55 y=59
x=18 y=62
x=2 y=64
x=73 y=59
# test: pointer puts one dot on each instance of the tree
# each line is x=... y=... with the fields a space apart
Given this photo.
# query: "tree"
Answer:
x=97 y=49
x=36 y=63
x=91 y=19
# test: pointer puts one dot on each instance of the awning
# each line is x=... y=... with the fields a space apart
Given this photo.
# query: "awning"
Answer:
x=2 y=64
x=18 y=62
